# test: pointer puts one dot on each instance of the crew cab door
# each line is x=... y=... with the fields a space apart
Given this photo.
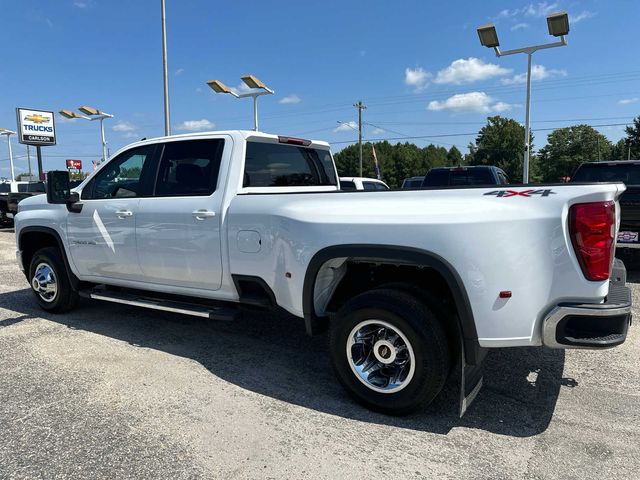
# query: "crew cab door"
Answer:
x=178 y=228
x=102 y=235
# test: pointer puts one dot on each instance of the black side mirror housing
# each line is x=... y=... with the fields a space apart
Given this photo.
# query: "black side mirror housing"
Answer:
x=58 y=188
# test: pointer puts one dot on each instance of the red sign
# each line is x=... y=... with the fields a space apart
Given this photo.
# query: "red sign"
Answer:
x=74 y=164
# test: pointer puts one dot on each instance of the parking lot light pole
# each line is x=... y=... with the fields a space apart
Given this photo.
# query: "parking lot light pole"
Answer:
x=258 y=89
x=91 y=113
x=8 y=134
x=558 y=24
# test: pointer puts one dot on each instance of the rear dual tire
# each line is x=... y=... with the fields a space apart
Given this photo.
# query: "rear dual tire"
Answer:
x=389 y=351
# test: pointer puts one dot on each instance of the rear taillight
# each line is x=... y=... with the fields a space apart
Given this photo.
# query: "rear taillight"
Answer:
x=592 y=229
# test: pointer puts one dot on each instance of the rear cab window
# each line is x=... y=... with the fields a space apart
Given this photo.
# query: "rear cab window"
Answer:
x=628 y=173
x=269 y=165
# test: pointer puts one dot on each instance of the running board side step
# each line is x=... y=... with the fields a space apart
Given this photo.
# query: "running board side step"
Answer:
x=205 y=311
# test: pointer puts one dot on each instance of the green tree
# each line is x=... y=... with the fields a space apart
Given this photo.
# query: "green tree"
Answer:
x=501 y=143
x=454 y=156
x=569 y=147
x=633 y=137
x=619 y=150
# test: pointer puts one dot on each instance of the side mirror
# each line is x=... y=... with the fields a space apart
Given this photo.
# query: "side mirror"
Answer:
x=58 y=189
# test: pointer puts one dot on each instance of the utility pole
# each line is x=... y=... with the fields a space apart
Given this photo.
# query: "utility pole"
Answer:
x=29 y=160
x=598 y=139
x=360 y=106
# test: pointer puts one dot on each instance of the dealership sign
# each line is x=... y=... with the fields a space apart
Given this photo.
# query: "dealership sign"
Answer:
x=36 y=127
x=74 y=164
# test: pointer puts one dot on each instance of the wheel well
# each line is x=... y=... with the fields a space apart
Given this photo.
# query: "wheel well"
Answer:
x=339 y=272
x=31 y=242
x=363 y=276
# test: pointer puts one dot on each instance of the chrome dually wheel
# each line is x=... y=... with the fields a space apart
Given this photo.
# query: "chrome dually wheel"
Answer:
x=380 y=356
x=44 y=282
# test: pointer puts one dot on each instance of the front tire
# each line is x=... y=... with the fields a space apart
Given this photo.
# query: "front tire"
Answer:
x=50 y=281
x=389 y=351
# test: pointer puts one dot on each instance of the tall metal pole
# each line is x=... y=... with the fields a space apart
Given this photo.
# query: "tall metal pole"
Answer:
x=255 y=113
x=167 y=122
x=104 y=143
x=40 y=172
x=13 y=176
x=360 y=106
x=527 y=124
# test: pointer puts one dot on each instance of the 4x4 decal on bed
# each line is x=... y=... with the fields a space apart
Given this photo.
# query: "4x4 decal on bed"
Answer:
x=522 y=193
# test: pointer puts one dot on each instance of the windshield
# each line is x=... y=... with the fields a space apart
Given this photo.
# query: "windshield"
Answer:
x=628 y=173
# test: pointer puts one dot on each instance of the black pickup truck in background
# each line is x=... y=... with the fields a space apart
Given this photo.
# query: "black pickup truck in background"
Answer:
x=12 y=193
x=462 y=176
x=628 y=172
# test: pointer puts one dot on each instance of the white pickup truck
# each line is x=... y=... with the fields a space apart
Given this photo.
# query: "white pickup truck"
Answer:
x=412 y=284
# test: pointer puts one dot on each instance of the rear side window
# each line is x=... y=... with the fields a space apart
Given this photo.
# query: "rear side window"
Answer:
x=5 y=187
x=277 y=165
x=189 y=168
x=344 y=185
x=31 y=187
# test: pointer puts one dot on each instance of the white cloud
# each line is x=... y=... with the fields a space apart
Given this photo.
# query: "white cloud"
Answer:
x=469 y=70
x=179 y=71
x=290 y=100
x=541 y=9
x=573 y=19
x=241 y=88
x=469 y=102
x=627 y=101
x=123 y=127
x=416 y=78
x=519 y=26
x=346 y=127
x=80 y=4
x=377 y=131
x=131 y=135
x=538 y=72
x=195 y=125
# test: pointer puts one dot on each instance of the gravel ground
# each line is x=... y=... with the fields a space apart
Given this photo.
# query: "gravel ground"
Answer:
x=111 y=391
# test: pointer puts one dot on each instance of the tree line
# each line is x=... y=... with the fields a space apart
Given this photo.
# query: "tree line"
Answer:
x=501 y=143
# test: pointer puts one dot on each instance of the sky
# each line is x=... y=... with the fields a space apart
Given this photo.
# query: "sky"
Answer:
x=418 y=66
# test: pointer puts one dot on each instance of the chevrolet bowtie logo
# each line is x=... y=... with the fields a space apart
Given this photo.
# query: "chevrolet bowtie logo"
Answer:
x=37 y=118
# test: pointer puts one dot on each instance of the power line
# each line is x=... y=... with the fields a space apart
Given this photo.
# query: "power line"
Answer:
x=444 y=135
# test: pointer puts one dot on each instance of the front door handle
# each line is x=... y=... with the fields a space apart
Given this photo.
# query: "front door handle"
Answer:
x=124 y=213
x=203 y=214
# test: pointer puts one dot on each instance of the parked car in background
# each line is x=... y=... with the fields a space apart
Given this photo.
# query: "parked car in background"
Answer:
x=11 y=193
x=454 y=176
x=627 y=172
x=362 y=183
x=412 y=182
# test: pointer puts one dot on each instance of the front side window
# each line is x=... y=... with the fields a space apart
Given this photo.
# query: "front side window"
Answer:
x=277 y=165
x=128 y=175
x=189 y=168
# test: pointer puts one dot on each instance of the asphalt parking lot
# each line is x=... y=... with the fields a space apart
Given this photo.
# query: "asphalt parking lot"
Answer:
x=111 y=391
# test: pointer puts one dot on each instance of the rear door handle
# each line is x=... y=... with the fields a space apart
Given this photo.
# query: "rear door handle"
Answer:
x=124 y=213
x=203 y=214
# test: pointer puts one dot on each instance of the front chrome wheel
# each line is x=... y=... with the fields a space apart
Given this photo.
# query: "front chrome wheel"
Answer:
x=44 y=282
x=380 y=356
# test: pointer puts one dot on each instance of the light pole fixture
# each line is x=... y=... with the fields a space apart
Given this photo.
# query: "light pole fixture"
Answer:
x=258 y=89
x=558 y=24
x=8 y=133
x=90 y=113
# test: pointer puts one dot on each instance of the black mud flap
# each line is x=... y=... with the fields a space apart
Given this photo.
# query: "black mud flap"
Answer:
x=471 y=377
